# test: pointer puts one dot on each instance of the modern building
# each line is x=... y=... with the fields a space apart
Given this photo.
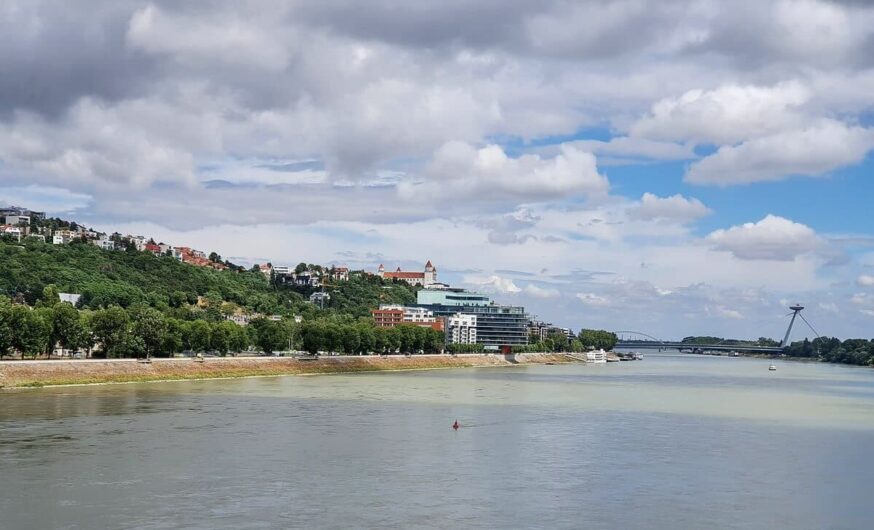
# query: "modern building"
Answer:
x=461 y=329
x=496 y=325
x=320 y=298
x=22 y=212
x=423 y=279
x=389 y=316
x=11 y=231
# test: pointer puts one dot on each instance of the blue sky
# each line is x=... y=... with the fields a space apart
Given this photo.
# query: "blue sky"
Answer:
x=675 y=167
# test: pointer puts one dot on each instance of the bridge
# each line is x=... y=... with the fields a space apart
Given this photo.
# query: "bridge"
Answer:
x=648 y=342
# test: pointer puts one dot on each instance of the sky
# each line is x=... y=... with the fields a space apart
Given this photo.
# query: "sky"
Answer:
x=677 y=167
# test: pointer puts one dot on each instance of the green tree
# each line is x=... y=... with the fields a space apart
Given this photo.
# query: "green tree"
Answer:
x=198 y=335
x=5 y=326
x=222 y=336
x=174 y=338
x=30 y=332
x=51 y=295
x=69 y=330
x=598 y=339
x=269 y=335
x=111 y=328
x=150 y=327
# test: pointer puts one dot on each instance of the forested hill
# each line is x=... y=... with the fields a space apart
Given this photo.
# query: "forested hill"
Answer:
x=105 y=278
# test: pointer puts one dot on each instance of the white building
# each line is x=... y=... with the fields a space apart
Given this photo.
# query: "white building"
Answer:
x=70 y=298
x=12 y=231
x=62 y=237
x=423 y=279
x=283 y=270
x=461 y=329
x=18 y=220
x=104 y=243
x=320 y=298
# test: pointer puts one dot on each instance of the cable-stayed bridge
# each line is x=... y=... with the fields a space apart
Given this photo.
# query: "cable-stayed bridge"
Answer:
x=648 y=342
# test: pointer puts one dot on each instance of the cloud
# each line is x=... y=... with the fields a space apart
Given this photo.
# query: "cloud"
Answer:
x=723 y=312
x=625 y=147
x=674 y=208
x=494 y=284
x=459 y=169
x=772 y=238
x=724 y=115
x=592 y=299
x=44 y=198
x=830 y=307
x=867 y=312
x=540 y=292
x=812 y=151
x=865 y=280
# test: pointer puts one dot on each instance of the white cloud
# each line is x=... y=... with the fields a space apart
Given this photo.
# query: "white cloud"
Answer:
x=634 y=147
x=725 y=115
x=772 y=238
x=231 y=40
x=868 y=312
x=460 y=170
x=44 y=198
x=859 y=298
x=865 y=280
x=592 y=299
x=674 y=208
x=830 y=307
x=540 y=292
x=493 y=284
x=723 y=312
x=811 y=151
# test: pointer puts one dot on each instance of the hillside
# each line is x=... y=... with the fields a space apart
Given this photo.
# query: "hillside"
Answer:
x=126 y=278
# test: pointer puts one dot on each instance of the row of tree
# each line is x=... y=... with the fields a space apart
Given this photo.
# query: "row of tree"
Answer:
x=830 y=349
x=144 y=331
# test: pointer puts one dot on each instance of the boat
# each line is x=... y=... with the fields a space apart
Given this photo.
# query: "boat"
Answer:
x=772 y=368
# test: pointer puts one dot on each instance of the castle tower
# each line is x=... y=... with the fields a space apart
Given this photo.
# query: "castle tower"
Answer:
x=380 y=271
x=430 y=274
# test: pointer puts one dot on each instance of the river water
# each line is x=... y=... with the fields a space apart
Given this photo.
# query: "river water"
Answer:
x=670 y=442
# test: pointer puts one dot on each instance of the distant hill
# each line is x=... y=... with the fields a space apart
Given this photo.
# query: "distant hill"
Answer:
x=125 y=278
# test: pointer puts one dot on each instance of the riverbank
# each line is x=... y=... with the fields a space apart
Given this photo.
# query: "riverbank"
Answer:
x=23 y=374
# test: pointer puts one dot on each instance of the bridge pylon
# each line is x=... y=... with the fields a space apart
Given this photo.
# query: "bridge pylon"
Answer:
x=796 y=311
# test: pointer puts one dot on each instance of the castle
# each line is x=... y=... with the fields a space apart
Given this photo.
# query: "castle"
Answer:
x=423 y=279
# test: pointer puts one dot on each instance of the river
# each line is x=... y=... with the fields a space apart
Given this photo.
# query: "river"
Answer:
x=670 y=442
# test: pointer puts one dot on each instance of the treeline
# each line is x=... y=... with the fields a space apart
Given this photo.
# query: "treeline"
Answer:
x=830 y=349
x=712 y=341
x=144 y=331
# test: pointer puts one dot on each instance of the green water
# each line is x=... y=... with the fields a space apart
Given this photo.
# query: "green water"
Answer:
x=669 y=442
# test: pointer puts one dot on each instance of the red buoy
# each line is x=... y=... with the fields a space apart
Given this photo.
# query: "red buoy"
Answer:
x=456 y=425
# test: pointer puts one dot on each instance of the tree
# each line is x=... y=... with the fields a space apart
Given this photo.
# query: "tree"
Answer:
x=598 y=339
x=222 y=336
x=214 y=257
x=174 y=338
x=111 y=328
x=150 y=328
x=69 y=330
x=269 y=335
x=30 y=332
x=51 y=295
x=198 y=335
x=5 y=326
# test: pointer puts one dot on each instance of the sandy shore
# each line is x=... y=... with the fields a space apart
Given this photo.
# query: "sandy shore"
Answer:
x=18 y=374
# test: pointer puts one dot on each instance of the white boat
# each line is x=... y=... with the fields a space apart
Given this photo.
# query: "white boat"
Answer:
x=772 y=368
x=596 y=356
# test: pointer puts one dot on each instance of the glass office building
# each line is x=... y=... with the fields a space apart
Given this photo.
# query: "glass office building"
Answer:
x=496 y=325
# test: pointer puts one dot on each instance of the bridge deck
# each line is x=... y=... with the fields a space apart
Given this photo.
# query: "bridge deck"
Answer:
x=687 y=346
